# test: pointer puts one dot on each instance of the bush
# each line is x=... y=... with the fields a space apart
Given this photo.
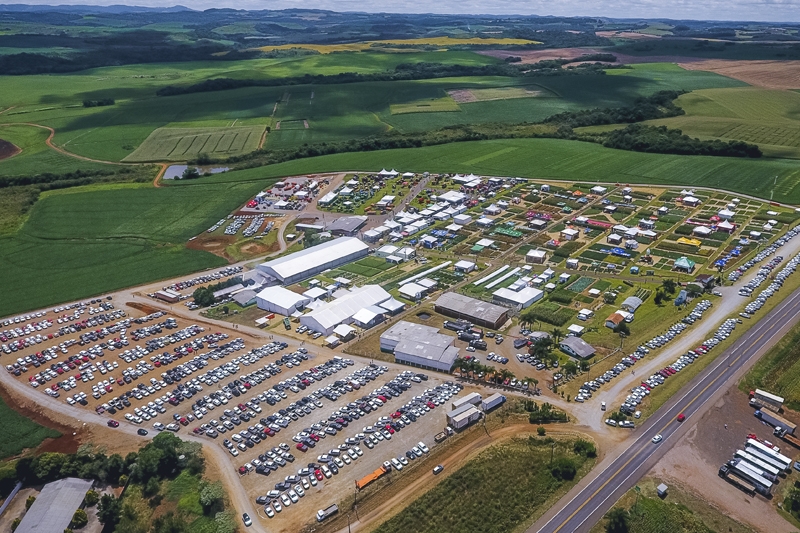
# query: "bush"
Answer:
x=79 y=519
x=563 y=469
x=91 y=498
x=585 y=448
x=15 y=523
x=541 y=431
x=29 y=502
x=618 y=521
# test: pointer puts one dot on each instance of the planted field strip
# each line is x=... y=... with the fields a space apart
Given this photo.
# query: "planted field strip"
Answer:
x=181 y=144
x=581 y=284
x=431 y=105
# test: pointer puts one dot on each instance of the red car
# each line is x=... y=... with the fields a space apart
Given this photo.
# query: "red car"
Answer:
x=318 y=475
x=302 y=447
x=431 y=405
x=397 y=414
x=113 y=424
x=390 y=429
x=681 y=417
x=314 y=437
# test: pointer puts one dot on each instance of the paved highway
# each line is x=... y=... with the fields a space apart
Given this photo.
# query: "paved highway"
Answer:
x=584 y=506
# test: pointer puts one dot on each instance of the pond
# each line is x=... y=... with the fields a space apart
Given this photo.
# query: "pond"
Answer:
x=176 y=171
x=423 y=316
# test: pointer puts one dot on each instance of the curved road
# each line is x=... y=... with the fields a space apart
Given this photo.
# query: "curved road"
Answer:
x=589 y=501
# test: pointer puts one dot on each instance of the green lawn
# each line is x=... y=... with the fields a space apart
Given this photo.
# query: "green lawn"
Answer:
x=20 y=432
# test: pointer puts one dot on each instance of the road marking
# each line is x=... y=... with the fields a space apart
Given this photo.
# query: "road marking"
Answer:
x=789 y=301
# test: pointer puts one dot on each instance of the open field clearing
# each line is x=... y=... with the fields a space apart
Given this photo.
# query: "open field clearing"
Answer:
x=767 y=117
x=768 y=74
x=106 y=238
x=434 y=105
x=20 y=432
x=488 y=502
x=444 y=42
x=558 y=160
x=35 y=156
x=181 y=144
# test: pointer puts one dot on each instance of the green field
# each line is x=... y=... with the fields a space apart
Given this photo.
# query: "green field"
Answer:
x=487 y=502
x=432 y=105
x=182 y=144
x=766 y=117
x=555 y=159
x=779 y=371
x=83 y=241
x=20 y=432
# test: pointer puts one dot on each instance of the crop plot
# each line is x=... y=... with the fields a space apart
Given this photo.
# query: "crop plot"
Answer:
x=181 y=144
x=465 y=96
x=430 y=105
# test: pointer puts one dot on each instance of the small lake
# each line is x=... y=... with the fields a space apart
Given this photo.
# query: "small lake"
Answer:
x=176 y=171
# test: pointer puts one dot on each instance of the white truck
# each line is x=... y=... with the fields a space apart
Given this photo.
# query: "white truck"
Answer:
x=322 y=514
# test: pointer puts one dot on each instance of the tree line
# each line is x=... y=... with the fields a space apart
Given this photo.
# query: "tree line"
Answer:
x=642 y=138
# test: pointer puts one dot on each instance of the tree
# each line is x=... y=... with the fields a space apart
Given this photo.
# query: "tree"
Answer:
x=190 y=173
x=79 y=519
x=91 y=498
x=557 y=335
x=211 y=498
x=169 y=523
x=659 y=298
x=623 y=329
x=618 y=521
x=108 y=511
x=563 y=469
x=570 y=368
x=152 y=487
x=584 y=366
x=693 y=290
x=669 y=286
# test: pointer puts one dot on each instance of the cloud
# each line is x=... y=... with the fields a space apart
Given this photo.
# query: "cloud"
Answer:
x=733 y=10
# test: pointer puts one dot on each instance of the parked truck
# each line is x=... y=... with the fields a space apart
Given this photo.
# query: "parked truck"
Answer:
x=769 y=476
x=763 y=486
x=322 y=514
x=368 y=479
x=763 y=465
x=727 y=473
x=439 y=437
x=761 y=398
x=758 y=454
x=785 y=462
x=492 y=401
x=775 y=420
x=788 y=437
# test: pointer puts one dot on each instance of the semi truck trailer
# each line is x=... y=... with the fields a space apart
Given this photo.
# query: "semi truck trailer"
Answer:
x=775 y=420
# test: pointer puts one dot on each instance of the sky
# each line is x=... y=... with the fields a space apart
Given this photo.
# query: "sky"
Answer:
x=755 y=10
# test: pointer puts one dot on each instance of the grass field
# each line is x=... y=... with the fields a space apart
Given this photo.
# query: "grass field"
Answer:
x=779 y=371
x=181 y=144
x=433 y=105
x=556 y=159
x=444 y=42
x=83 y=241
x=476 y=499
x=769 y=118
x=20 y=432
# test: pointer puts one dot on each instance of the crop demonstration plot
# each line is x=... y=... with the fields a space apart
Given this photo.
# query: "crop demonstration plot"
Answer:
x=464 y=96
x=181 y=144
x=433 y=105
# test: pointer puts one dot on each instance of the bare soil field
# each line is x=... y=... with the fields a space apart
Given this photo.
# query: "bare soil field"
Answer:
x=694 y=463
x=769 y=74
x=533 y=56
x=8 y=149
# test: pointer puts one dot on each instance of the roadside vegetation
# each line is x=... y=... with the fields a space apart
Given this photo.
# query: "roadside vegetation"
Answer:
x=477 y=498
x=778 y=371
x=20 y=433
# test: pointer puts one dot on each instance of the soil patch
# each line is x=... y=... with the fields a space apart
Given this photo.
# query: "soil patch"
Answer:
x=8 y=149
x=216 y=245
x=632 y=35
x=144 y=308
x=254 y=248
x=534 y=56
x=769 y=74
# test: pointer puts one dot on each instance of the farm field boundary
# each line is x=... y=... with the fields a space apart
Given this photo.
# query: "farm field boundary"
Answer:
x=181 y=144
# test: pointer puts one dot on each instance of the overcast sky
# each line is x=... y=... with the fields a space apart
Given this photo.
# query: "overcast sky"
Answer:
x=761 y=10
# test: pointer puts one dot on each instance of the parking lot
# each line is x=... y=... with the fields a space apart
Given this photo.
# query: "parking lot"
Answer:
x=279 y=413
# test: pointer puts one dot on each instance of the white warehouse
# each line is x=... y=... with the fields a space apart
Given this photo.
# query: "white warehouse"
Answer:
x=342 y=310
x=306 y=263
x=281 y=301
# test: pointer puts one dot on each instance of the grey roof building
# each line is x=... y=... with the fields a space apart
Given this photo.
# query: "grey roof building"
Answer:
x=346 y=225
x=632 y=303
x=576 y=347
x=53 y=509
x=420 y=346
x=477 y=311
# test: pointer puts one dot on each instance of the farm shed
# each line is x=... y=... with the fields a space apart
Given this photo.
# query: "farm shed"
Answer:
x=464 y=266
x=481 y=313
x=54 y=507
x=632 y=303
x=536 y=256
x=279 y=300
x=342 y=310
x=306 y=263
x=522 y=298
x=576 y=347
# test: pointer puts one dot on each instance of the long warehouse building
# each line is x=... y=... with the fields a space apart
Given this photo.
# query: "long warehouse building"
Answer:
x=477 y=311
x=311 y=261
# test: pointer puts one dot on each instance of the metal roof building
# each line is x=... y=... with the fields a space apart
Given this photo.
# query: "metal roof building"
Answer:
x=472 y=309
x=409 y=330
x=279 y=300
x=576 y=347
x=53 y=509
x=343 y=309
x=434 y=352
x=346 y=225
x=305 y=263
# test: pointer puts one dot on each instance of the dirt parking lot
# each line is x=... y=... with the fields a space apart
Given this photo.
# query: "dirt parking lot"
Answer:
x=694 y=463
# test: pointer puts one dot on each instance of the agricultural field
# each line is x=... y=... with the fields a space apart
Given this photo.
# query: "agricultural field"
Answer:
x=487 y=502
x=557 y=160
x=766 y=117
x=779 y=371
x=443 y=42
x=182 y=144
x=433 y=105
x=35 y=156
x=20 y=432
x=91 y=240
